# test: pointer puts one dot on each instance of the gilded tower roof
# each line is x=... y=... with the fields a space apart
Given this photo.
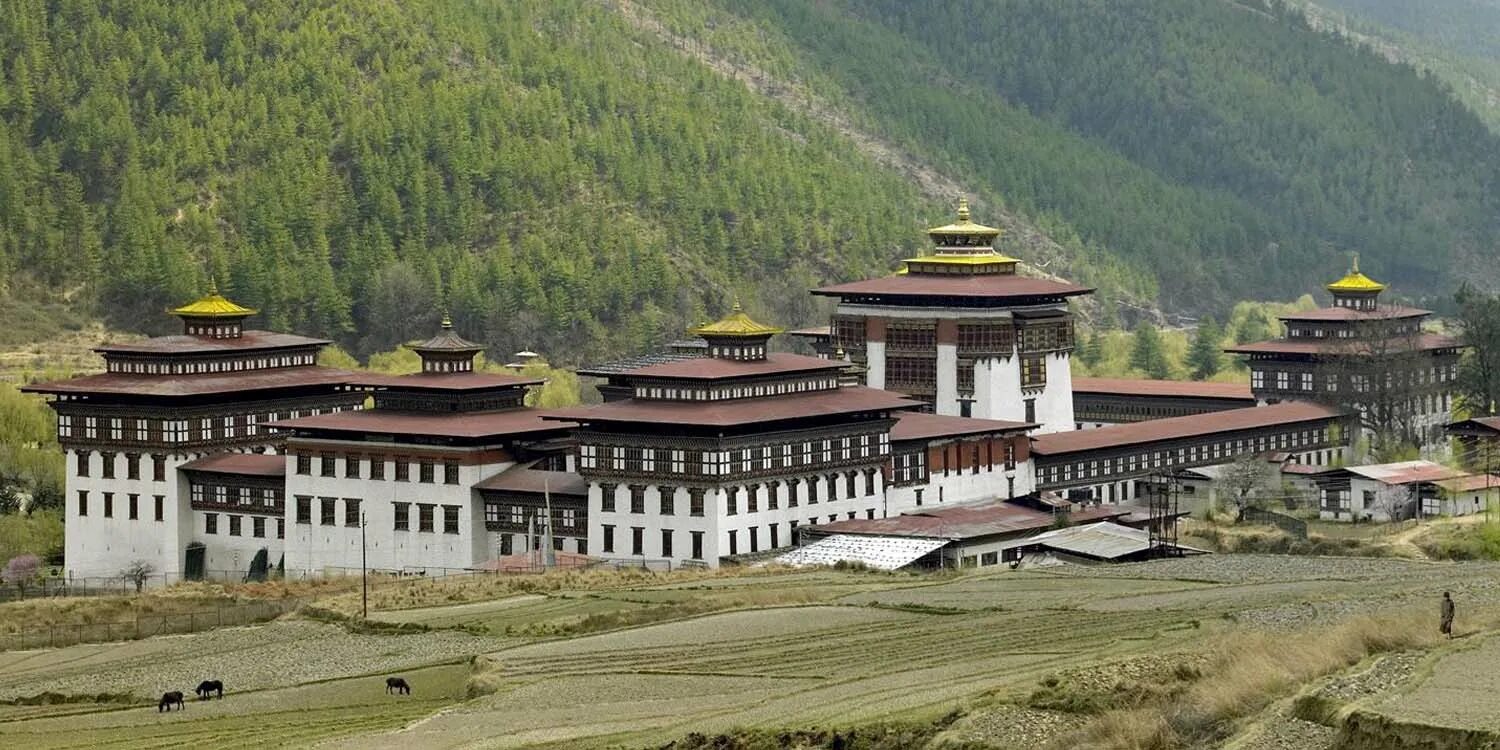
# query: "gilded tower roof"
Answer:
x=736 y=324
x=447 y=340
x=1356 y=282
x=213 y=305
x=964 y=226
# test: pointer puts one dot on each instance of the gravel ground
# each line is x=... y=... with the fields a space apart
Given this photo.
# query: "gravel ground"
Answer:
x=1014 y=726
x=1233 y=568
x=1382 y=676
x=274 y=655
x=1282 y=732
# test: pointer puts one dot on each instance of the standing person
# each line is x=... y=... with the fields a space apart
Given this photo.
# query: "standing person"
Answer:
x=1447 y=623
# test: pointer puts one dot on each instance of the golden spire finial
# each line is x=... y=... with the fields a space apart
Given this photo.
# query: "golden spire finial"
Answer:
x=1356 y=263
x=447 y=321
x=213 y=285
x=736 y=306
x=963 y=208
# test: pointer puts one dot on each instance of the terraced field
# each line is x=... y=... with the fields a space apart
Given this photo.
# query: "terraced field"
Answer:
x=788 y=651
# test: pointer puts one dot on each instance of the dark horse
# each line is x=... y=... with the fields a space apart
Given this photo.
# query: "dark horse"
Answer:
x=208 y=687
x=397 y=685
x=168 y=700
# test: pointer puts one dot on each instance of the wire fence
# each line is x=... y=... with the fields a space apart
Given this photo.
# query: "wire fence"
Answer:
x=147 y=625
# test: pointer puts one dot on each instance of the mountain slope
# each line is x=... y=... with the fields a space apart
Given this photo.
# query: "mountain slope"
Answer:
x=587 y=177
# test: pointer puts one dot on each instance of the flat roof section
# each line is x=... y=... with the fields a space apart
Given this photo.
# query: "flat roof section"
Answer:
x=242 y=464
x=114 y=383
x=1142 y=387
x=1176 y=428
x=919 y=426
x=469 y=425
x=988 y=286
x=743 y=411
x=967 y=521
x=184 y=344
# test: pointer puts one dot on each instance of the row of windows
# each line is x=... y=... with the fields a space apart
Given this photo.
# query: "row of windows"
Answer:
x=720 y=393
x=193 y=367
x=132 y=505
x=355 y=467
x=236 y=525
x=328 y=514
x=635 y=459
x=1046 y=337
x=1305 y=381
x=520 y=516
x=108 y=465
x=1223 y=450
x=911 y=372
x=220 y=494
x=144 y=430
x=749 y=497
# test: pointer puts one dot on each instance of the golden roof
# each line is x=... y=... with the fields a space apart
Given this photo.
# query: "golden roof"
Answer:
x=737 y=323
x=964 y=226
x=446 y=340
x=1355 y=281
x=213 y=305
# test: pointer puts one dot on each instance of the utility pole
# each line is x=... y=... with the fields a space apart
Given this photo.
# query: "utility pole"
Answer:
x=549 y=556
x=364 y=571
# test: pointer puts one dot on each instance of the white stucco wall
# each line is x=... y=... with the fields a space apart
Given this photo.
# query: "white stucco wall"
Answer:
x=95 y=546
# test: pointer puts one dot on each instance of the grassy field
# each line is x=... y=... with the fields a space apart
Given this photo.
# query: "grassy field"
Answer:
x=1074 y=657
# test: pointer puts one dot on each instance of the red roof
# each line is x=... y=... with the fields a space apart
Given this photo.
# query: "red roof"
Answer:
x=812 y=332
x=845 y=400
x=911 y=425
x=1392 y=312
x=1423 y=342
x=194 y=385
x=1476 y=426
x=536 y=482
x=1162 y=388
x=445 y=381
x=936 y=285
x=184 y=344
x=244 y=464
x=966 y=521
x=1174 y=428
x=484 y=424
x=713 y=368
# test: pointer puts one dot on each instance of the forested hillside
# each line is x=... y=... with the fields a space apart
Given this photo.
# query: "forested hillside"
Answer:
x=573 y=177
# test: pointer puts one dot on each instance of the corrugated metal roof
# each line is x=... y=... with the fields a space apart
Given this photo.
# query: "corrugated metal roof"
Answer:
x=1175 y=428
x=245 y=464
x=844 y=400
x=489 y=424
x=881 y=553
x=251 y=340
x=1421 y=342
x=536 y=481
x=992 y=286
x=1101 y=541
x=920 y=426
x=113 y=383
x=1163 y=388
x=967 y=521
x=1406 y=472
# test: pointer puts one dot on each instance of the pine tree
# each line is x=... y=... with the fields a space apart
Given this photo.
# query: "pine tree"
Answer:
x=1090 y=350
x=1203 y=356
x=1148 y=355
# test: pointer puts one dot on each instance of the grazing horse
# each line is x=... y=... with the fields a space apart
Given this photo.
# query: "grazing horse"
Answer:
x=208 y=687
x=397 y=685
x=168 y=700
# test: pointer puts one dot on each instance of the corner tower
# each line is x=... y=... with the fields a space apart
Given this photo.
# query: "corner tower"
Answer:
x=961 y=330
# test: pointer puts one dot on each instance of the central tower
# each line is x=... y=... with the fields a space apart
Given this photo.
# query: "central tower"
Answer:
x=960 y=330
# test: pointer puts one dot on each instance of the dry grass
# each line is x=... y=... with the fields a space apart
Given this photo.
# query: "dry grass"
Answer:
x=1243 y=675
x=416 y=593
x=182 y=598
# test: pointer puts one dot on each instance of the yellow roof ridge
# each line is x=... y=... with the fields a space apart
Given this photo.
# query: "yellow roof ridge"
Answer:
x=736 y=323
x=1354 y=281
x=213 y=305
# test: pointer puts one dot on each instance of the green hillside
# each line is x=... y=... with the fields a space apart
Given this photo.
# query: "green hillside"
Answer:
x=585 y=177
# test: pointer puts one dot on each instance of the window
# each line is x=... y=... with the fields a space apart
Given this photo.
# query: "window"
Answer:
x=377 y=467
x=424 y=517
x=775 y=538
x=1030 y=410
x=280 y=528
x=132 y=466
x=734 y=542
x=695 y=502
x=328 y=511
x=403 y=470
x=109 y=505
x=697 y=544
x=752 y=498
x=351 y=511
x=304 y=464
x=83 y=463
x=637 y=540
x=450 y=472
x=666 y=542
x=607 y=499
x=132 y=503
x=210 y=523
x=160 y=502
x=234 y=525
x=667 y=499
x=609 y=538
x=402 y=515
x=258 y=527
x=450 y=519
x=754 y=539
x=108 y=460
x=1033 y=371
x=304 y=509
x=158 y=468
x=731 y=501
x=351 y=466
x=424 y=474
x=637 y=498
x=326 y=464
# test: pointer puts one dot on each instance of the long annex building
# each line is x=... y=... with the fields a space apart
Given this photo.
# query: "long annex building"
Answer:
x=943 y=385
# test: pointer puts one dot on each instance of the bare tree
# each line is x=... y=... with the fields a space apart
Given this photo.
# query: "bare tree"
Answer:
x=138 y=572
x=1382 y=373
x=1391 y=501
x=1244 y=481
x=22 y=570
